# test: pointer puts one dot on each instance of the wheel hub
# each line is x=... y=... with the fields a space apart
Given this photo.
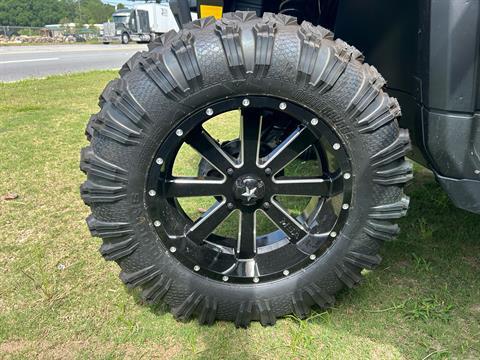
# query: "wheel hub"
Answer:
x=249 y=190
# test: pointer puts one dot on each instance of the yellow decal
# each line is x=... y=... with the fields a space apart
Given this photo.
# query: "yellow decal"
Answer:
x=211 y=10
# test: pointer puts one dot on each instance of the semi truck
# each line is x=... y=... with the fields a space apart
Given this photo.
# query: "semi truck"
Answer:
x=141 y=23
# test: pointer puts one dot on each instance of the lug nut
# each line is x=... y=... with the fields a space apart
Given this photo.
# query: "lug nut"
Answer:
x=157 y=223
x=345 y=206
x=347 y=176
x=196 y=268
x=152 y=192
x=230 y=171
x=282 y=106
x=209 y=111
x=286 y=272
x=245 y=102
x=225 y=278
x=333 y=234
x=256 y=279
x=268 y=171
x=230 y=206
x=314 y=121
x=173 y=249
x=159 y=161
x=266 y=205
x=179 y=132
x=313 y=257
x=336 y=146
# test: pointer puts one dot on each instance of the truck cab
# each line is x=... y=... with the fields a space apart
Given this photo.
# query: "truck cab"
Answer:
x=127 y=25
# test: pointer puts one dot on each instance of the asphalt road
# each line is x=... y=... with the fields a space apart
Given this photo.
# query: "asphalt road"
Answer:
x=22 y=62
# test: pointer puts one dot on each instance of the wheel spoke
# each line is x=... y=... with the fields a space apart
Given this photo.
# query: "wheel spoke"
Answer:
x=290 y=226
x=204 y=144
x=251 y=125
x=208 y=223
x=192 y=186
x=246 y=245
x=294 y=145
x=308 y=186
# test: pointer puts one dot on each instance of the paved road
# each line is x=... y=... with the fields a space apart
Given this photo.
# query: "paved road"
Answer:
x=22 y=62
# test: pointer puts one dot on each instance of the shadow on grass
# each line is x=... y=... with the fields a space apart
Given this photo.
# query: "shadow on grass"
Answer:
x=426 y=291
x=158 y=309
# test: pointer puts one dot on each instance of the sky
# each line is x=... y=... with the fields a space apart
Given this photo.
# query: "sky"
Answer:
x=114 y=2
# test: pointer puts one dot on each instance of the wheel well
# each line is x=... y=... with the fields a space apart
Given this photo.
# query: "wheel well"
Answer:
x=318 y=12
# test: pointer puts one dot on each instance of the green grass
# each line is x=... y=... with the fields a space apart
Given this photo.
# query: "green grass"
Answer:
x=60 y=299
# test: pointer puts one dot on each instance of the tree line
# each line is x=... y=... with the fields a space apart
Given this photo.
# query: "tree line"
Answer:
x=42 y=12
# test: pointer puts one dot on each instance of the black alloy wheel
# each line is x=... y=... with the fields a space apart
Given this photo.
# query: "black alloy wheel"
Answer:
x=248 y=184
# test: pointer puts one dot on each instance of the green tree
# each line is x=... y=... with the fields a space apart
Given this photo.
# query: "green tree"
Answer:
x=42 y=12
x=31 y=13
x=93 y=11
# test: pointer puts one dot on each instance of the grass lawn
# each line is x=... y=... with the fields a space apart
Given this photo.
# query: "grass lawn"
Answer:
x=60 y=299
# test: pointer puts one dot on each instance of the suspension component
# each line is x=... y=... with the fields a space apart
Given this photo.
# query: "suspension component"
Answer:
x=292 y=8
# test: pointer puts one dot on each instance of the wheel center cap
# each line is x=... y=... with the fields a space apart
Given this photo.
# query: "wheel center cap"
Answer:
x=249 y=189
